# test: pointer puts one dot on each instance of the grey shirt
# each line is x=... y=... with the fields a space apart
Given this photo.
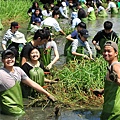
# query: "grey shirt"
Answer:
x=76 y=44
x=7 y=79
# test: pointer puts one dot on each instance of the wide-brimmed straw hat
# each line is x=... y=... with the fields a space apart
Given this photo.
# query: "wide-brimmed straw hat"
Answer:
x=19 y=38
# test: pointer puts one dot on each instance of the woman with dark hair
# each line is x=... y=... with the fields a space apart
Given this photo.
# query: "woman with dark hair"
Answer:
x=46 y=51
x=36 y=14
x=52 y=22
x=46 y=11
x=11 y=76
x=35 y=70
x=32 y=9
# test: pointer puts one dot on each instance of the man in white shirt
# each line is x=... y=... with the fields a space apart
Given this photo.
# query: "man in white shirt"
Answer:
x=9 y=34
x=52 y=22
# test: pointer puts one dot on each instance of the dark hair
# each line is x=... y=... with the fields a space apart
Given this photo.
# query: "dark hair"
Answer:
x=89 y=3
x=78 y=4
x=98 y=4
x=33 y=5
x=55 y=12
x=82 y=25
x=31 y=49
x=42 y=33
x=48 y=29
x=108 y=25
x=46 y=7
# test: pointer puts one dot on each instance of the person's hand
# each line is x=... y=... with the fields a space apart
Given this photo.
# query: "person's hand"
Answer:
x=54 y=81
x=86 y=57
x=49 y=66
x=70 y=4
x=92 y=59
x=97 y=47
x=52 y=98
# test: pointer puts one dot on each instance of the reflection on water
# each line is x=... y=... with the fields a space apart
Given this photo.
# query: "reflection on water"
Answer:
x=80 y=115
x=48 y=114
x=37 y=113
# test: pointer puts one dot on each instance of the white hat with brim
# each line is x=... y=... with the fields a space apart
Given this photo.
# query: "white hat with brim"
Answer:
x=63 y=4
x=19 y=38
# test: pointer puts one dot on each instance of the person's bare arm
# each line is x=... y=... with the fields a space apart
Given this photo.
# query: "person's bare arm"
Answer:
x=79 y=54
x=54 y=60
x=116 y=68
x=4 y=46
x=23 y=60
x=69 y=37
x=38 y=88
x=61 y=31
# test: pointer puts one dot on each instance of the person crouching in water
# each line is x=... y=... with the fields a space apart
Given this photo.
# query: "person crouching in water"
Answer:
x=75 y=51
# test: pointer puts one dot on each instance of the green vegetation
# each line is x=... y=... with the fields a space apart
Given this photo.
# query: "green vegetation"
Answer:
x=77 y=79
x=14 y=10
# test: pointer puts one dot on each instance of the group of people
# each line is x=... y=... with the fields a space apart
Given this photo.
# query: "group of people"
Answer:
x=32 y=59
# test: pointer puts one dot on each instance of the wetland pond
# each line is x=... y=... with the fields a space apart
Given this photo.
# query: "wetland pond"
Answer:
x=36 y=113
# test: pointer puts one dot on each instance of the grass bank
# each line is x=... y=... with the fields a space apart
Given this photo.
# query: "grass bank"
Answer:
x=14 y=10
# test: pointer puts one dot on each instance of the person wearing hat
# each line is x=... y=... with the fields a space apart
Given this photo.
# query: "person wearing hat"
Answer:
x=74 y=19
x=75 y=50
x=34 y=27
x=111 y=106
x=104 y=35
x=63 y=10
x=17 y=43
x=9 y=34
x=10 y=91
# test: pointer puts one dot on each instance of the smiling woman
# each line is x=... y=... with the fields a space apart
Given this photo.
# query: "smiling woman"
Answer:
x=10 y=91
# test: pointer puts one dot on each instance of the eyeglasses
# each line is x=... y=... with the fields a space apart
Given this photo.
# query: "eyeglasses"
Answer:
x=11 y=57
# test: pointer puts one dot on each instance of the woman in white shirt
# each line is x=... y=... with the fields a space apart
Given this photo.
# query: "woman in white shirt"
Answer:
x=46 y=11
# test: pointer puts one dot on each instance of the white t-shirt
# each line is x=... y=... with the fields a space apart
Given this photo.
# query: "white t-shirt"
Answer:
x=90 y=9
x=75 y=22
x=63 y=11
x=111 y=5
x=51 y=44
x=100 y=8
x=44 y=12
x=34 y=28
x=7 y=79
x=51 y=22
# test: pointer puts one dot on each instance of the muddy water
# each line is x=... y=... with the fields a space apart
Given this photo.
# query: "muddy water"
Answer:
x=48 y=113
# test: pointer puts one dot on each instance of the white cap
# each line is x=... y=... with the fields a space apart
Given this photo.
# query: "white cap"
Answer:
x=63 y=4
x=18 y=38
